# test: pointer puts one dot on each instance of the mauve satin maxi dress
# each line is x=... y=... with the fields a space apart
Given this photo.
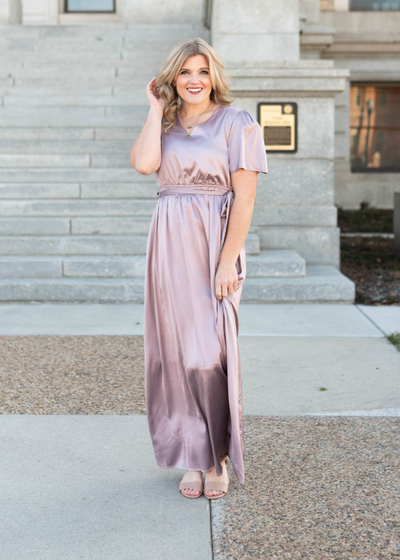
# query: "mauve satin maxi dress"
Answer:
x=193 y=382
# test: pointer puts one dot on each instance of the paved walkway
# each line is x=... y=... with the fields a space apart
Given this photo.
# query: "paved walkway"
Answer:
x=321 y=390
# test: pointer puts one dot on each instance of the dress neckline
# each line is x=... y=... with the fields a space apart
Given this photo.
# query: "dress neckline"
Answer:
x=199 y=124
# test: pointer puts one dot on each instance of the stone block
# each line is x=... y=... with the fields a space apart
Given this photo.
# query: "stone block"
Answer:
x=96 y=290
x=34 y=226
x=275 y=264
x=75 y=207
x=110 y=226
x=73 y=245
x=294 y=215
x=317 y=245
x=105 y=267
x=296 y=181
x=322 y=284
x=37 y=191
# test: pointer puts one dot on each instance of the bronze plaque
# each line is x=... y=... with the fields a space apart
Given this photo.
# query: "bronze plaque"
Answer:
x=278 y=121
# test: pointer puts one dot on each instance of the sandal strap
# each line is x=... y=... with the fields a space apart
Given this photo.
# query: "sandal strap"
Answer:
x=195 y=485
x=223 y=486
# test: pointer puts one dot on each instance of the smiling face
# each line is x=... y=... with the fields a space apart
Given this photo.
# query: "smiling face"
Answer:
x=193 y=82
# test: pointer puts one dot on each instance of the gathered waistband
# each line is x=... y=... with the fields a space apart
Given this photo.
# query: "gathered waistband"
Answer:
x=193 y=189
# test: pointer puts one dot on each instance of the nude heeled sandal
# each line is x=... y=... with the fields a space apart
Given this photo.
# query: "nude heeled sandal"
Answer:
x=195 y=485
x=222 y=486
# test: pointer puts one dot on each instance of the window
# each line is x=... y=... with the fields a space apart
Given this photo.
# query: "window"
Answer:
x=93 y=6
x=375 y=127
x=375 y=5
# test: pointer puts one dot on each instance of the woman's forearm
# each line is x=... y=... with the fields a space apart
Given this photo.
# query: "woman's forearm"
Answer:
x=145 y=154
x=238 y=227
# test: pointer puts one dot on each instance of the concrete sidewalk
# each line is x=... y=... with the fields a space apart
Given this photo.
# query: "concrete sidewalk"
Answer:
x=305 y=319
x=321 y=392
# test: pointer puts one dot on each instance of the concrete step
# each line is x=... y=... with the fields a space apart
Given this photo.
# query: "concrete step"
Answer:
x=72 y=59
x=37 y=245
x=143 y=73
x=99 y=31
x=275 y=264
x=30 y=243
x=51 y=90
x=73 y=175
x=76 y=226
x=73 y=133
x=14 y=91
x=100 y=290
x=79 y=207
x=136 y=97
x=322 y=284
x=74 y=116
x=267 y=264
x=77 y=190
x=274 y=216
x=22 y=147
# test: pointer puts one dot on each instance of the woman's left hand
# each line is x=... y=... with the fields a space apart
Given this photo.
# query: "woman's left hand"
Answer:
x=226 y=280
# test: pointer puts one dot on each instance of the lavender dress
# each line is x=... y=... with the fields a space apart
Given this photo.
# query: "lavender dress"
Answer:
x=192 y=364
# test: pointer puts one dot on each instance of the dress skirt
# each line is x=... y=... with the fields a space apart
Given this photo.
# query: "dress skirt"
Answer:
x=193 y=380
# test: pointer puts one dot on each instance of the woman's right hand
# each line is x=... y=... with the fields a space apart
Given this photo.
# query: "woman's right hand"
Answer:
x=153 y=97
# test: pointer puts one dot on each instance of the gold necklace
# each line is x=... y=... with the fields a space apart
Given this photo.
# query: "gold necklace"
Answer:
x=187 y=135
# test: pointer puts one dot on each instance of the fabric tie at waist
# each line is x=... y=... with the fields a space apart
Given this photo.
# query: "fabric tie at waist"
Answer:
x=200 y=189
x=192 y=189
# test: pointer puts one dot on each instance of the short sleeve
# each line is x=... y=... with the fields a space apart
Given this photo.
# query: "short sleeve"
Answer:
x=246 y=147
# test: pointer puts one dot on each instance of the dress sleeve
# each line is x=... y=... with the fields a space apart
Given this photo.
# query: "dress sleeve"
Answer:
x=246 y=147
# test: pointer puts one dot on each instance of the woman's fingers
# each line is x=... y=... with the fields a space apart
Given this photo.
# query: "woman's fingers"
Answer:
x=225 y=288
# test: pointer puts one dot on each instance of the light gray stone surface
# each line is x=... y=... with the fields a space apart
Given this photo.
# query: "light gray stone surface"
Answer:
x=302 y=180
x=266 y=31
x=320 y=284
x=294 y=215
x=77 y=207
x=273 y=320
x=379 y=412
x=283 y=375
x=34 y=226
x=88 y=486
x=305 y=319
x=385 y=317
x=315 y=244
x=73 y=245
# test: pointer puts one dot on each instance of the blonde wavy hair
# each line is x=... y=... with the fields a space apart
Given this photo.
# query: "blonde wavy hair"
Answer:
x=169 y=72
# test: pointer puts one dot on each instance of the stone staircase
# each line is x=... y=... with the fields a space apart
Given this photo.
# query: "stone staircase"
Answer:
x=74 y=214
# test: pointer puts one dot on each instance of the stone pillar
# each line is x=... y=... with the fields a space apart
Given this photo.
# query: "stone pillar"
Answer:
x=10 y=12
x=40 y=12
x=259 y=30
x=258 y=43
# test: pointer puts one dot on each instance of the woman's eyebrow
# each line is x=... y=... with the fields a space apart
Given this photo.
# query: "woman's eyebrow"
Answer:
x=204 y=68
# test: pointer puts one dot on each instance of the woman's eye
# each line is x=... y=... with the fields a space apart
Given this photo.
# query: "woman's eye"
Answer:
x=184 y=71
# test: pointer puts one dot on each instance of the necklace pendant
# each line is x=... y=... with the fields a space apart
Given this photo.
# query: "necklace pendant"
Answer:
x=187 y=135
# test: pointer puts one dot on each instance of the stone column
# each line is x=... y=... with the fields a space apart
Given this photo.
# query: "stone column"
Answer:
x=40 y=12
x=258 y=41
x=10 y=12
x=259 y=30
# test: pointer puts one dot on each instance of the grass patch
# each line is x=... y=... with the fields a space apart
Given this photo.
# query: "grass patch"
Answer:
x=394 y=338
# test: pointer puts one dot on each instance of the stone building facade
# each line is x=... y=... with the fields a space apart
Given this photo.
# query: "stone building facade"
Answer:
x=74 y=216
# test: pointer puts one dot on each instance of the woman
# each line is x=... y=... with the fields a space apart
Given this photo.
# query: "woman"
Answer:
x=206 y=155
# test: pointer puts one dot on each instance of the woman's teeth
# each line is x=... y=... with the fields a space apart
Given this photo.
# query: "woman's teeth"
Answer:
x=195 y=90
